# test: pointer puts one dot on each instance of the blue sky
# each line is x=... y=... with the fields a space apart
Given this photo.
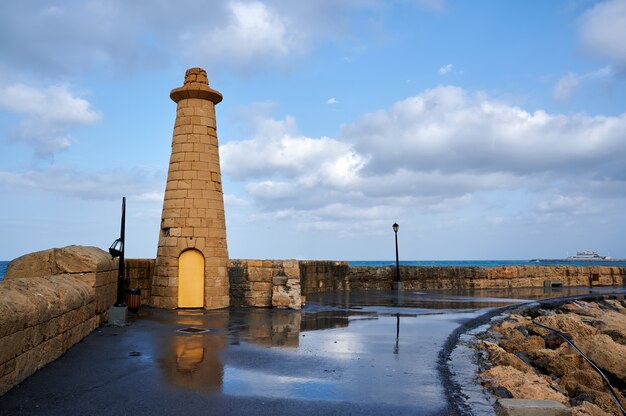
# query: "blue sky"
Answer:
x=487 y=130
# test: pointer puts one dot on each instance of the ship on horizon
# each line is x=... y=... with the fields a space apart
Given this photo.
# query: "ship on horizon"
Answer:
x=581 y=256
x=587 y=255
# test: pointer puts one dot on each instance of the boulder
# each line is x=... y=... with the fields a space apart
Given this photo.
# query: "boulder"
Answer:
x=588 y=409
x=606 y=354
x=570 y=323
x=513 y=340
x=521 y=385
x=498 y=356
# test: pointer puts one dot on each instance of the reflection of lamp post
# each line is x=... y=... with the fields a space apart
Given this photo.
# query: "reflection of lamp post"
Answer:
x=396 y=348
x=118 y=312
x=397 y=285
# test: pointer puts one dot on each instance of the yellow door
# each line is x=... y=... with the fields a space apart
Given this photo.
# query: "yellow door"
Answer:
x=191 y=279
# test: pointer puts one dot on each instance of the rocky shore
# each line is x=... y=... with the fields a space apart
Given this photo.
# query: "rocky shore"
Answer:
x=522 y=360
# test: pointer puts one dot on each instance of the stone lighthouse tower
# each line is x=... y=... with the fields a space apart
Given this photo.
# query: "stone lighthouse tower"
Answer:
x=192 y=257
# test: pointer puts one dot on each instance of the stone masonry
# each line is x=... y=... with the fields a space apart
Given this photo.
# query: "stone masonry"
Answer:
x=193 y=206
x=49 y=301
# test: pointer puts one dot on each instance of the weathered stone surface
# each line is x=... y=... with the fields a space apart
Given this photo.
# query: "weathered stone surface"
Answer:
x=513 y=340
x=330 y=276
x=606 y=354
x=571 y=323
x=55 y=261
x=498 y=356
x=521 y=385
x=596 y=327
x=288 y=294
x=525 y=407
x=588 y=409
x=40 y=318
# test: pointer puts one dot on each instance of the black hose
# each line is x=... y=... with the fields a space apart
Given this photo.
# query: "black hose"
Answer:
x=595 y=367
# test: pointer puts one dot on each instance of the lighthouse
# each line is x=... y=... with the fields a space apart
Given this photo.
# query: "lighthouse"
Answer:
x=192 y=254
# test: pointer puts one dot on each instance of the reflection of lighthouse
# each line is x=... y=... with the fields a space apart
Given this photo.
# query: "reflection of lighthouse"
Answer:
x=192 y=256
x=192 y=360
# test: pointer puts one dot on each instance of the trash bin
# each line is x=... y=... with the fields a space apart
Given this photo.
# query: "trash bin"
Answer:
x=133 y=299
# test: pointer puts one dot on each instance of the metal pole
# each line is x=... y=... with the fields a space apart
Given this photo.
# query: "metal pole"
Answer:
x=120 y=270
x=396 y=348
x=397 y=260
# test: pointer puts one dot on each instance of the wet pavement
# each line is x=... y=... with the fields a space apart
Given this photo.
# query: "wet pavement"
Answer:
x=364 y=353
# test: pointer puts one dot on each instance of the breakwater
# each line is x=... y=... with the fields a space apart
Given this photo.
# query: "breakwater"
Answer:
x=331 y=276
x=51 y=299
x=252 y=281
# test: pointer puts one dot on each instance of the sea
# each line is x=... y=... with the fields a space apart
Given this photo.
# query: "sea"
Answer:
x=483 y=263
x=448 y=263
x=3 y=268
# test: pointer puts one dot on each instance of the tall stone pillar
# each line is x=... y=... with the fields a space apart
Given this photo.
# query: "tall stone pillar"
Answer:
x=192 y=256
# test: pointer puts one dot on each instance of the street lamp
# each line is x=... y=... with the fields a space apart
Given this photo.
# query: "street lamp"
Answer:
x=397 y=284
x=117 y=250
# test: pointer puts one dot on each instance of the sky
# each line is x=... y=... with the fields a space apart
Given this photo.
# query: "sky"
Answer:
x=485 y=129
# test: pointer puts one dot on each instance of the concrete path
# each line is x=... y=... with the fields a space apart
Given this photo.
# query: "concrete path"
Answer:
x=346 y=353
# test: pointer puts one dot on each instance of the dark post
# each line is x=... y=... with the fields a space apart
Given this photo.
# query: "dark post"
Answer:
x=117 y=250
x=395 y=230
x=396 y=348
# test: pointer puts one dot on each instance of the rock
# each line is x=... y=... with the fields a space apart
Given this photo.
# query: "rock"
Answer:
x=55 y=261
x=615 y=305
x=613 y=324
x=287 y=293
x=569 y=323
x=524 y=407
x=606 y=354
x=514 y=341
x=279 y=280
x=554 y=341
x=560 y=361
x=499 y=356
x=521 y=385
x=588 y=409
x=580 y=380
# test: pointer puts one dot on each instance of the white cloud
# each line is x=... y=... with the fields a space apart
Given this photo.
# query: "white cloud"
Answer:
x=439 y=151
x=141 y=185
x=603 y=30
x=278 y=149
x=255 y=34
x=47 y=115
x=565 y=88
x=450 y=130
x=332 y=101
x=74 y=35
x=445 y=69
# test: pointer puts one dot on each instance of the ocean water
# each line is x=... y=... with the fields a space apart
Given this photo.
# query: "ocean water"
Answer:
x=482 y=263
x=3 y=268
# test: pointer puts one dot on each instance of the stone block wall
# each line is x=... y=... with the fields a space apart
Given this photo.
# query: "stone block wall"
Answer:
x=268 y=283
x=90 y=265
x=324 y=276
x=433 y=277
x=138 y=275
x=251 y=281
x=40 y=319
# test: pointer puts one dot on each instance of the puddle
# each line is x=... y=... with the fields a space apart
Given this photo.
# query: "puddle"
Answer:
x=376 y=346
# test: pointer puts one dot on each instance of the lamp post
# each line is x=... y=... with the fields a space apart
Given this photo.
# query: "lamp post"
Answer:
x=119 y=311
x=117 y=250
x=397 y=285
